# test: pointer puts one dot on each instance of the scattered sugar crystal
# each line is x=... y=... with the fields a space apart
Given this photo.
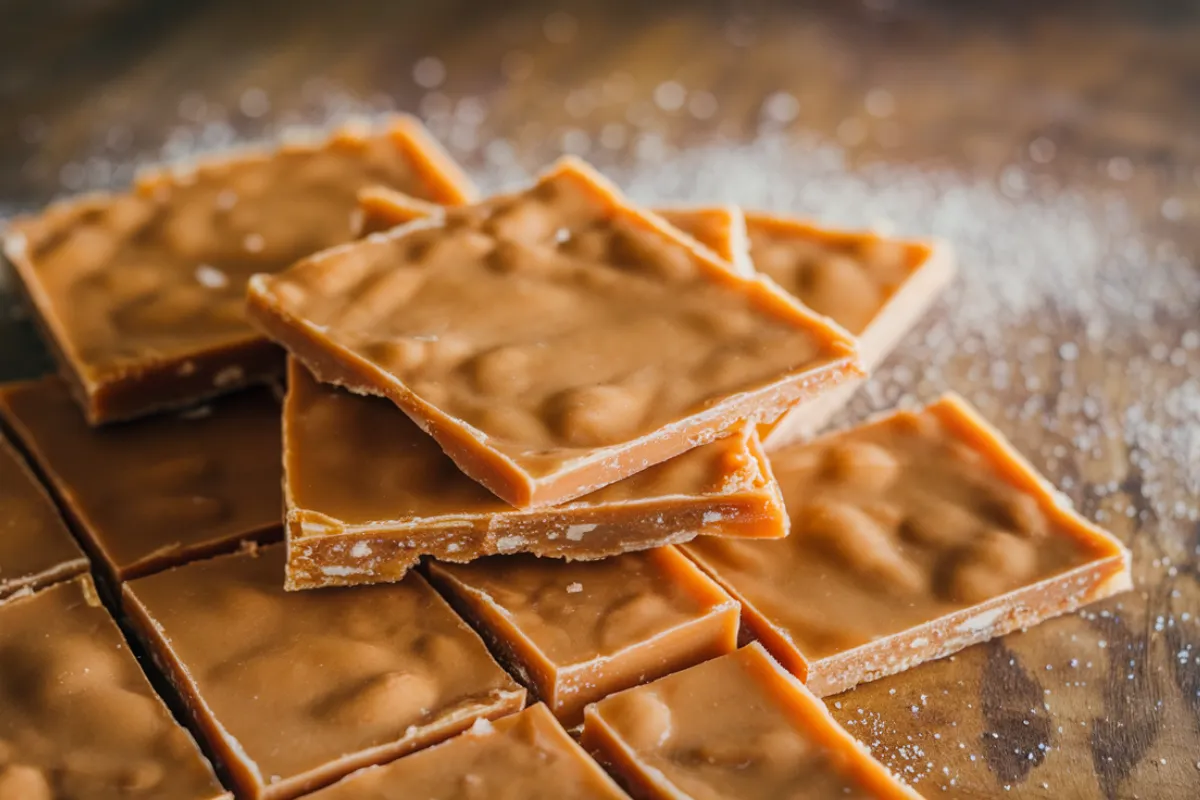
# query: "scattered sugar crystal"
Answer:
x=1042 y=150
x=429 y=72
x=781 y=107
x=702 y=104
x=1120 y=168
x=670 y=96
x=210 y=277
x=254 y=103
x=879 y=103
x=1172 y=209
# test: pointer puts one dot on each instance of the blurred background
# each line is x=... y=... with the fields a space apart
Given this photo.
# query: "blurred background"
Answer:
x=1055 y=145
x=977 y=85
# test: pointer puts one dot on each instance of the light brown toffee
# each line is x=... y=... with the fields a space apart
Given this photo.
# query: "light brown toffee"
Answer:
x=157 y=491
x=874 y=286
x=142 y=294
x=78 y=720
x=527 y=756
x=577 y=632
x=734 y=727
x=36 y=549
x=912 y=537
x=368 y=494
x=295 y=690
x=552 y=341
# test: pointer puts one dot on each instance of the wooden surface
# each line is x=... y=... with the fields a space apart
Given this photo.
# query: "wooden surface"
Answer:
x=1098 y=705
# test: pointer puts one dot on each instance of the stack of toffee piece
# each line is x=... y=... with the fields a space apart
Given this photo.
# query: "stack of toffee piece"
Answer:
x=556 y=449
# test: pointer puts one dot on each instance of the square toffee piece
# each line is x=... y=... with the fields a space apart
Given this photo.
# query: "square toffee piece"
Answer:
x=78 y=719
x=736 y=726
x=876 y=287
x=554 y=340
x=368 y=494
x=527 y=756
x=913 y=536
x=158 y=491
x=577 y=632
x=36 y=549
x=141 y=295
x=295 y=690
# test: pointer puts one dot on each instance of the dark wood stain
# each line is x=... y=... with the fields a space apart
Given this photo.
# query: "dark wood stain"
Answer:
x=1132 y=710
x=1186 y=670
x=1017 y=728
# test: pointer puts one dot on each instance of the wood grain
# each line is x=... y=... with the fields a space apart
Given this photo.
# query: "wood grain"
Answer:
x=1104 y=704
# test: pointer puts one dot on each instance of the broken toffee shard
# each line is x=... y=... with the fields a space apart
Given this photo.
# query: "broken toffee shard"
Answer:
x=368 y=494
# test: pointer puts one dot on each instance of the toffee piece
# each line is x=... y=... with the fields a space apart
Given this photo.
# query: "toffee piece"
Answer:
x=295 y=690
x=155 y=492
x=141 y=295
x=368 y=494
x=526 y=756
x=36 y=549
x=78 y=719
x=874 y=286
x=555 y=340
x=913 y=536
x=735 y=727
x=577 y=632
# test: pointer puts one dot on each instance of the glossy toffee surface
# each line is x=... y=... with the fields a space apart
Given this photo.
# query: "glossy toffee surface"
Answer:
x=527 y=756
x=79 y=721
x=579 y=631
x=160 y=490
x=845 y=276
x=733 y=727
x=313 y=682
x=35 y=546
x=898 y=523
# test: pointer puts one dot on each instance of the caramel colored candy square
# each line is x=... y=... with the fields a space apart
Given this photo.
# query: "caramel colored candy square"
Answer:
x=874 y=286
x=526 y=756
x=36 y=549
x=913 y=536
x=78 y=719
x=295 y=690
x=738 y=726
x=576 y=632
x=554 y=340
x=141 y=295
x=368 y=494
x=155 y=492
